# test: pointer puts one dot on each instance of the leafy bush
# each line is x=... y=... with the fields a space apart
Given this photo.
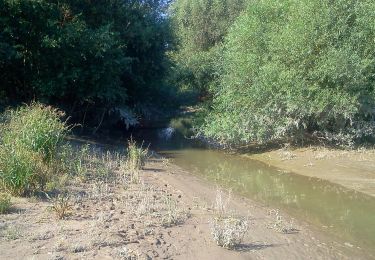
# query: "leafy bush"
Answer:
x=5 y=203
x=83 y=55
x=293 y=69
x=30 y=140
x=199 y=28
x=37 y=128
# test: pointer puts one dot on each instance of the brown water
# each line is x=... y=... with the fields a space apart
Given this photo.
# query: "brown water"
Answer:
x=343 y=213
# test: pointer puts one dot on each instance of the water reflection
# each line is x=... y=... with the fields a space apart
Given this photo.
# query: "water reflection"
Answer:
x=347 y=214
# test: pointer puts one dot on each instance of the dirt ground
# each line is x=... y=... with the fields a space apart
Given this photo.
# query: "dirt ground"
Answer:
x=166 y=215
x=353 y=169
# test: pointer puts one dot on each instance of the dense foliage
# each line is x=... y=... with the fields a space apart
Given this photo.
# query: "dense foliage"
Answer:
x=199 y=28
x=266 y=70
x=74 y=53
x=30 y=138
x=292 y=69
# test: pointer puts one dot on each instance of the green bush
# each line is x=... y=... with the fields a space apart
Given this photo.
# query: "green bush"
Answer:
x=199 y=28
x=37 y=128
x=30 y=139
x=21 y=171
x=297 y=69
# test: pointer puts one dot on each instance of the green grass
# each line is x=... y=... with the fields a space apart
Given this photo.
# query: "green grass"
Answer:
x=136 y=155
x=5 y=203
x=35 y=127
x=31 y=137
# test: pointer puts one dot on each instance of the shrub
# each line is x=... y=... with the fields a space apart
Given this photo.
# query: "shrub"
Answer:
x=37 y=128
x=31 y=136
x=4 y=203
x=228 y=232
x=21 y=171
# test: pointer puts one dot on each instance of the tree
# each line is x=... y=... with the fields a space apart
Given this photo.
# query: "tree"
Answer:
x=295 y=69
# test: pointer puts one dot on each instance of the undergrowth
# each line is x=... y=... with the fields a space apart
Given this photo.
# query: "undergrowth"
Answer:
x=30 y=139
x=5 y=203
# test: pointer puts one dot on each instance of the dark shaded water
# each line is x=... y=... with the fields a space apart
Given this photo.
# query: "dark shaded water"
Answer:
x=345 y=214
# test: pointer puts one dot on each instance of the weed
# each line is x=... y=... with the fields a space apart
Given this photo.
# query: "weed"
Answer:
x=128 y=254
x=11 y=233
x=279 y=224
x=22 y=171
x=37 y=128
x=228 y=232
x=221 y=204
x=62 y=207
x=173 y=214
x=5 y=203
x=100 y=189
x=136 y=156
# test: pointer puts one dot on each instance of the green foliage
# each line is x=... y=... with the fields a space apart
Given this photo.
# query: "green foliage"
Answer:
x=30 y=139
x=21 y=171
x=78 y=53
x=295 y=68
x=199 y=28
x=5 y=203
x=37 y=128
x=136 y=156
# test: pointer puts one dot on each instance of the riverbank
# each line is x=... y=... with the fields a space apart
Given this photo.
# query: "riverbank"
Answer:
x=353 y=169
x=166 y=214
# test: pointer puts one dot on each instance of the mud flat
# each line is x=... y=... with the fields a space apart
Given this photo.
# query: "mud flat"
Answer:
x=353 y=169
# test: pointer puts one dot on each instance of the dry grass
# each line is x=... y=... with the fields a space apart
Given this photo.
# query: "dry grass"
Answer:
x=227 y=229
x=62 y=206
x=279 y=224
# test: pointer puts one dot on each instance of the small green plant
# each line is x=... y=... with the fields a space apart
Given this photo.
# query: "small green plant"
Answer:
x=136 y=155
x=5 y=203
x=62 y=207
x=11 y=232
x=279 y=224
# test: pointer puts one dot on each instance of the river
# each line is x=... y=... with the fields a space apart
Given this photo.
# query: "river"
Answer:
x=346 y=215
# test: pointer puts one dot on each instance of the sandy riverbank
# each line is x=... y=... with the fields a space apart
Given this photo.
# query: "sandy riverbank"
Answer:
x=354 y=169
x=117 y=220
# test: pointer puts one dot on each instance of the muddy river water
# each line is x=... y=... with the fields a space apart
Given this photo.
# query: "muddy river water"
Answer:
x=347 y=215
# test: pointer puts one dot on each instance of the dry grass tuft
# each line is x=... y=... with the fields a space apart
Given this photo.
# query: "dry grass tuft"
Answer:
x=62 y=206
x=227 y=229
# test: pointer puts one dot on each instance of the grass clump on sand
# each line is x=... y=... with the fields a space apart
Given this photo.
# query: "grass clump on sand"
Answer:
x=227 y=230
x=135 y=160
x=30 y=140
x=136 y=155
